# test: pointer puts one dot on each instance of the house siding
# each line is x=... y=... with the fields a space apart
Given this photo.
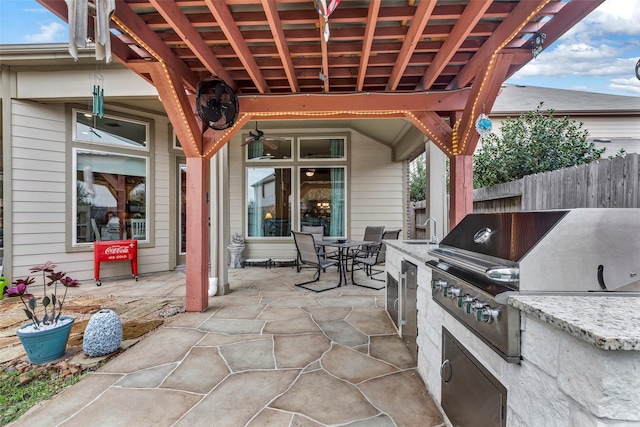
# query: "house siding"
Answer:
x=41 y=147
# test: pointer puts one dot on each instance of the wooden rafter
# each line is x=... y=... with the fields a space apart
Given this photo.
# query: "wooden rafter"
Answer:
x=271 y=11
x=435 y=128
x=367 y=40
x=179 y=108
x=324 y=49
x=350 y=105
x=223 y=16
x=133 y=25
x=418 y=22
x=508 y=29
x=483 y=94
x=467 y=21
x=172 y=13
x=570 y=14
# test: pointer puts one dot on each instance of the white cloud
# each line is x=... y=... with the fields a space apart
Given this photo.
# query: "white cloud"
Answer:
x=48 y=33
x=616 y=17
x=579 y=59
x=631 y=85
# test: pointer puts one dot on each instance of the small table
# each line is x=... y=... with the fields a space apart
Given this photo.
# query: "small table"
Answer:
x=343 y=255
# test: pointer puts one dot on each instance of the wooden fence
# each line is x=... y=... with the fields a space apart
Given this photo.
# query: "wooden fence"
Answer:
x=607 y=183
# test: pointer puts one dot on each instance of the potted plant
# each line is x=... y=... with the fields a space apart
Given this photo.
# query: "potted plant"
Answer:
x=45 y=338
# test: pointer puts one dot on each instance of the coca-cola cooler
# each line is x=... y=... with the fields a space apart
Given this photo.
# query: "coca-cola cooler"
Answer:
x=115 y=250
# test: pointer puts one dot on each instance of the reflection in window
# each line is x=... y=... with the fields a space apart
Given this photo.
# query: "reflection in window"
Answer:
x=322 y=148
x=110 y=130
x=277 y=148
x=322 y=199
x=111 y=196
x=269 y=202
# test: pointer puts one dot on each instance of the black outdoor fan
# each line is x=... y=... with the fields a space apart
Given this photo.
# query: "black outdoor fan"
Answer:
x=216 y=103
x=259 y=136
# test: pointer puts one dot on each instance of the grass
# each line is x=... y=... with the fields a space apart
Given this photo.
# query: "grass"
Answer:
x=16 y=398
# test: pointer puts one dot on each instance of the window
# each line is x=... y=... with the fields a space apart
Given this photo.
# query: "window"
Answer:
x=269 y=202
x=312 y=148
x=111 y=196
x=309 y=189
x=110 y=178
x=272 y=149
x=110 y=130
x=322 y=199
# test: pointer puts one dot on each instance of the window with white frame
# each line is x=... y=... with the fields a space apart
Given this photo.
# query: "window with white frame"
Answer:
x=110 y=179
x=290 y=193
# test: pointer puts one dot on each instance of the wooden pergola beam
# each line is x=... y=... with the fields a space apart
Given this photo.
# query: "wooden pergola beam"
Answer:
x=229 y=27
x=275 y=25
x=418 y=23
x=363 y=105
x=508 y=29
x=466 y=23
x=367 y=41
x=174 y=16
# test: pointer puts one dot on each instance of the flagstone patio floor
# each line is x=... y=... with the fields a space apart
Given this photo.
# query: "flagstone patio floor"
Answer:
x=266 y=354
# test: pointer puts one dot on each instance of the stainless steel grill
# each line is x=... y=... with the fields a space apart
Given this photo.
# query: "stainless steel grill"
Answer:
x=489 y=256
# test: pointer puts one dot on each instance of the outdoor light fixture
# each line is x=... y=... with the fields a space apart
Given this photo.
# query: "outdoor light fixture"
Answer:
x=537 y=42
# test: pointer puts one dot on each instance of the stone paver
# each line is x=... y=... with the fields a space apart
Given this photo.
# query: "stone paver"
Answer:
x=267 y=354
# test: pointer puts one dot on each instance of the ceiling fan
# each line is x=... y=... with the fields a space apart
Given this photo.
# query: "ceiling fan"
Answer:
x=259 y=136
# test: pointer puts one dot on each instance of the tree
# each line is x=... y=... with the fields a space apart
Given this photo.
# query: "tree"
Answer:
x=417 y=180
x=534 y=142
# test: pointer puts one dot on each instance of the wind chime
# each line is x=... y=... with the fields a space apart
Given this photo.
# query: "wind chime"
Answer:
x=98 y=95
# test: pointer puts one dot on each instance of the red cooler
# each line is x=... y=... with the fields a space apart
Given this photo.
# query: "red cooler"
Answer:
x=115 y=250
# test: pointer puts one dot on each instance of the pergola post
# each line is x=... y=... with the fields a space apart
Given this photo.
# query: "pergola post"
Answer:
x=197 y=222
x=460 y=187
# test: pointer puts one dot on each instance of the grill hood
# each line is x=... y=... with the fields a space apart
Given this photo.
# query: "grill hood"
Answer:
x=556 y=250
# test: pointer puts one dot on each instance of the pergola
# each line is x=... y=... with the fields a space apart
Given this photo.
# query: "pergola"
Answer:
x=437 y=64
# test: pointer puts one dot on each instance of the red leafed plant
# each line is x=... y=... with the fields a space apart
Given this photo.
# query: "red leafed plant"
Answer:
x=51 y=304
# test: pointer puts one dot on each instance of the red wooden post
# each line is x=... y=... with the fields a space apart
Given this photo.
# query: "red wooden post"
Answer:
x=460 y=188
x=197 y=218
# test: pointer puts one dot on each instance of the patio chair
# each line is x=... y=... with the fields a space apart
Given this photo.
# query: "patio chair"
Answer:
x=365 y=260
x=308 y=254
x=387 y=235
x=318 y=234
x=371 y=234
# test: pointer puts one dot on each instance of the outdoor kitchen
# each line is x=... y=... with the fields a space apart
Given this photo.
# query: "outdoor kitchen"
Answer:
x=525 y=318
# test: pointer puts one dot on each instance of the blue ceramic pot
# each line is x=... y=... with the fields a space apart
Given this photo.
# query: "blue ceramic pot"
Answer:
x=46 y=345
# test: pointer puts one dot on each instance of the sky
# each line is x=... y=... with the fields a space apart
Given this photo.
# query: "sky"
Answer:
x=599 y=54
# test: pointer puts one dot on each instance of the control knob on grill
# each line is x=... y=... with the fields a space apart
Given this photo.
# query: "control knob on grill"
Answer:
x=488 y=314
x=462 y=300
x=451 y=292
x=474 y=305
x=438 y=284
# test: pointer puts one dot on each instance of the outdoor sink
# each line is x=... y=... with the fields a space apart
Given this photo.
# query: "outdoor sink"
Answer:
x=419 y=242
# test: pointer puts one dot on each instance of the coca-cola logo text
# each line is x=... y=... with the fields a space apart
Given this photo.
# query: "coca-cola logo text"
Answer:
x=114 y=250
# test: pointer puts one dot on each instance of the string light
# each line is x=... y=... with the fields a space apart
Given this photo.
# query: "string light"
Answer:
x=485 y=77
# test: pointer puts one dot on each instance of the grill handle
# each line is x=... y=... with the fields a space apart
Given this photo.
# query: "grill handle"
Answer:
x=498 y=273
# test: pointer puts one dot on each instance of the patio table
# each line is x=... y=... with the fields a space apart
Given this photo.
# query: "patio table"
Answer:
x=343 y=253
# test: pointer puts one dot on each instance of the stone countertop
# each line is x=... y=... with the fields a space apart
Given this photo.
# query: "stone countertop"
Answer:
x=607 y=322
x=417 y=251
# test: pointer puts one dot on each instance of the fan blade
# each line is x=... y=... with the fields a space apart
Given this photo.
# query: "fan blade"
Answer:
x=274 y=138
x=270 y=145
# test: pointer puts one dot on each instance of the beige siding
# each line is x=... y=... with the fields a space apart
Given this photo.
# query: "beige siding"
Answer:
x=375 y=187
x=39 y=172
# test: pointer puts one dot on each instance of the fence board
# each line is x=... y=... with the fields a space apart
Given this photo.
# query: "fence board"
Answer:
x=607 y=183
